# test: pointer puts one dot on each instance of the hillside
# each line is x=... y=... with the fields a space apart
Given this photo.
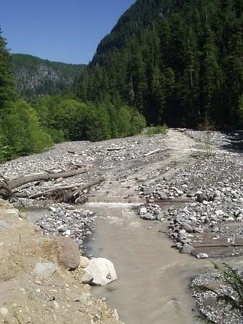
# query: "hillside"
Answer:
x=35 y=76
x=178 y=62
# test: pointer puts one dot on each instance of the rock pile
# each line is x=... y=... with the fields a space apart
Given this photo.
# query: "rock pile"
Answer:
x=65 y=220
x=214 y=310
x=205 y=199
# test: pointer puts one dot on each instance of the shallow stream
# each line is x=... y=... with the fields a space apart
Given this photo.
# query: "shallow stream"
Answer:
x=153 y=278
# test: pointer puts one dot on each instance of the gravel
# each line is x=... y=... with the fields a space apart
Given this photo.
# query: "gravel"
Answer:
x=198 y=199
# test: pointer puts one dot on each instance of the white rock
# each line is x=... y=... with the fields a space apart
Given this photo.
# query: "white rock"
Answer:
x=142 y=210
x=100 y=271
x=219 y=212
x=68 y=232
x=4 y=311
x=202 y=256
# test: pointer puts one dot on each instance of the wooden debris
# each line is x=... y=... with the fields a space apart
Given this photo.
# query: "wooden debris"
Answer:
x=69 y=193
x=151 y=152
x=72 y=193
x=115 y=148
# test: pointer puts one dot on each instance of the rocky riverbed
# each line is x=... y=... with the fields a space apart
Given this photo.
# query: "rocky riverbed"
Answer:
x=190 y=180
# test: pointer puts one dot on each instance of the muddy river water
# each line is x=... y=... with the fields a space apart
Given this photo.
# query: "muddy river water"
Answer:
x=153 y=278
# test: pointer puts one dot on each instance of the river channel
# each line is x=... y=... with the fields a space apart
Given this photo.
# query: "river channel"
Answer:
x=153 y=278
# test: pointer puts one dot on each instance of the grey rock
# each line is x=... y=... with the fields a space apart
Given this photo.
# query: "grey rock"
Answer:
x=186 y=249
x=44 y=269
x=200 y=197
x=198 y=230
x=148 y=217
x=68 y=252
x=187 y=227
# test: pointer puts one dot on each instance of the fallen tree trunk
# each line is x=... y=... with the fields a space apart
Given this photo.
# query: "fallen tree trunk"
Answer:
x=9 y=188
x=77 y=188
x=217 y=245
x=15 y=183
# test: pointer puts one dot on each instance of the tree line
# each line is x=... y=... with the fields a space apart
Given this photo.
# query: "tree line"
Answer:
x=174 y=62
x=177 y=61
x=33 y=126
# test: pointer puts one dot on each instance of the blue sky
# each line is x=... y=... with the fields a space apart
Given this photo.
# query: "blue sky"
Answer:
x=59 y=30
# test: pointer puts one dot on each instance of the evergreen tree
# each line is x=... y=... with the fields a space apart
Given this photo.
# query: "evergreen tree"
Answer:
x=7 y=83
x=175 y=61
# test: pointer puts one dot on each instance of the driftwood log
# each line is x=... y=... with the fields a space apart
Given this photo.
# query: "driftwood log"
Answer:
x=70 y=194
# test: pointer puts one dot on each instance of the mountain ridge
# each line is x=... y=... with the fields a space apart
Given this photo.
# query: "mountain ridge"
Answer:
x=36 y=76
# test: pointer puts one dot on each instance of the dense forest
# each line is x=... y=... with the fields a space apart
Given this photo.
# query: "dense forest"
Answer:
x=178 y=61
x=36 y=77
x=174 y=62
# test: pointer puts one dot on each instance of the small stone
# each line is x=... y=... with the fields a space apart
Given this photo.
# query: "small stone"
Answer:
x=186 y=249
x=202 y=255
x=44 y=269
x=148 y=217
x=187 y=227
x=142 y=210
x=84 y=262
x=3 y=311
x=198 y=230
x=200 y=197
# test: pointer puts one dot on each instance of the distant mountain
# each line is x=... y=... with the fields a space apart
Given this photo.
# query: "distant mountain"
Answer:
x=36 y=77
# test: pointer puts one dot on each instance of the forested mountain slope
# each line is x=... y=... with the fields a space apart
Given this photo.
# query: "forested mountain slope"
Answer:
x=35 y=76
x=177 y=61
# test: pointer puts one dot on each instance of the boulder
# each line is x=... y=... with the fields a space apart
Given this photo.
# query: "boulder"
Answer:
x=68 y=252
x=100 y=271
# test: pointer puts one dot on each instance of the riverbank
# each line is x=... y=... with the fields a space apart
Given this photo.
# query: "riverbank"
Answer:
x=198 y=185
x=35 y=286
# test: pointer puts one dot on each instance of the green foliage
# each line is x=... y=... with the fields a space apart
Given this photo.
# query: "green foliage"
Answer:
x=23 y=132
x=7 y=84
x=233 y=295
x=156 y=130
x=70 y=119
x=20 y=130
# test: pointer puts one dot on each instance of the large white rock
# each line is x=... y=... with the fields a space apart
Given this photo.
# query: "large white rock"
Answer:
x=100 y=271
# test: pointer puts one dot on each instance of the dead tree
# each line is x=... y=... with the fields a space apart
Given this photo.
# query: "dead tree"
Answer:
x=72 y=193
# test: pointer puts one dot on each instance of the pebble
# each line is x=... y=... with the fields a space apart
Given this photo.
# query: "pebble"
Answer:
x=76 y=223
x=202 y=256
x=44 y=269
x=3 y=311
x=213 y=184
